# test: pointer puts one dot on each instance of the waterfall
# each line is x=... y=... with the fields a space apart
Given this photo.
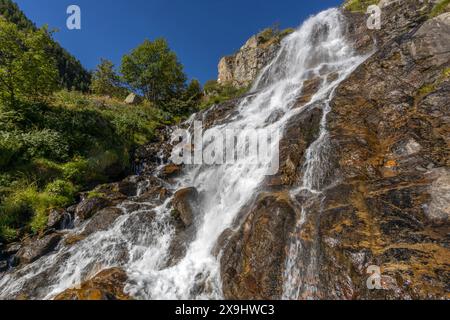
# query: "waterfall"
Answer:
x=139 y=241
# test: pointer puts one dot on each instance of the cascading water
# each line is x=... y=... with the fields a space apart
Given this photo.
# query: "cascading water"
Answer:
x=139 y=240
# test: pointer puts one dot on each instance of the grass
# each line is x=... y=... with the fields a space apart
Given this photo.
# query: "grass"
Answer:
x=439 y=8
x=217 y=93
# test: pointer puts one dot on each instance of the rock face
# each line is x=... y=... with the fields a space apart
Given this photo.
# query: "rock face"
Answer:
x=133 y=99
x=241 y=69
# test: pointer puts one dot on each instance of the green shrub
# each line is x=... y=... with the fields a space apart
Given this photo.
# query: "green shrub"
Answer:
x=45 y=143
x=217 y=93
x=61 y=188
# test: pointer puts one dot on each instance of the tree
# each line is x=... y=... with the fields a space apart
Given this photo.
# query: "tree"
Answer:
x=153 y=70
x=27 y=71
x=105 y=80
x=72 y=75
x=193 y=91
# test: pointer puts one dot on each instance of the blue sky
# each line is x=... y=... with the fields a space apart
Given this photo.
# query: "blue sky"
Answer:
x=199 y=31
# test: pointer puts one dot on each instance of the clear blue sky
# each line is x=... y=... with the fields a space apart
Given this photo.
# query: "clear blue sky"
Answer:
x=199 y=31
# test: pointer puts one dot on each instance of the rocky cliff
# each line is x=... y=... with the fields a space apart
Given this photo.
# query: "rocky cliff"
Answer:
x=241 y=68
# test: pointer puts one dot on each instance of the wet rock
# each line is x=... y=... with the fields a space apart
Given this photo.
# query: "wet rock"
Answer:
x=184 y=203
x=252 y=263
x=300 y=132
x=133 y=99
x=128 y=188
x=155 y=191
x=37 y=248
x=310 y=87
x=107 y=285
x=72 y=239
x=59 y=220
x=88 y=207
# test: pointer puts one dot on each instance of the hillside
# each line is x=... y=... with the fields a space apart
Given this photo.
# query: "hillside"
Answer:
x=359 y=207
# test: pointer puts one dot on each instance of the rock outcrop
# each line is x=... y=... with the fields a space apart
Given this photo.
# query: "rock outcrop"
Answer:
x=386 y=201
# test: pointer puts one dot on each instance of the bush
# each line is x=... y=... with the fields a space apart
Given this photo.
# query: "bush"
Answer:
x=359 y=5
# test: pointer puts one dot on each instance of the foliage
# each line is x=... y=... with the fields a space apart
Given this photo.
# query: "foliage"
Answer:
x=27 y=71
x=105 y=81
x=153 y=70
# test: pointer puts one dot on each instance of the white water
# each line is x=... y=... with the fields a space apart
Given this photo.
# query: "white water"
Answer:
x=140 y=245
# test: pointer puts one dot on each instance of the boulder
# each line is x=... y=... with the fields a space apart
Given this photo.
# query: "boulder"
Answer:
x=3 y=266
x=133 y=99
x=37 y=248
x=88 y=207
x=101 y=221
x=107 y=285
x=184 y=202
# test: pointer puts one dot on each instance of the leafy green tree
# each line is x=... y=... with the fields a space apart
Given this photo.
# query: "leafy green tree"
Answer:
x=105 y=80
x=154 y=70
x=27 y=71
x=72 y=75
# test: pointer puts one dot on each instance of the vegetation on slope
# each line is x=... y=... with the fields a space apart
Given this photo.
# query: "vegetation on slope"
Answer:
x=440 y=7
x=359 y=5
